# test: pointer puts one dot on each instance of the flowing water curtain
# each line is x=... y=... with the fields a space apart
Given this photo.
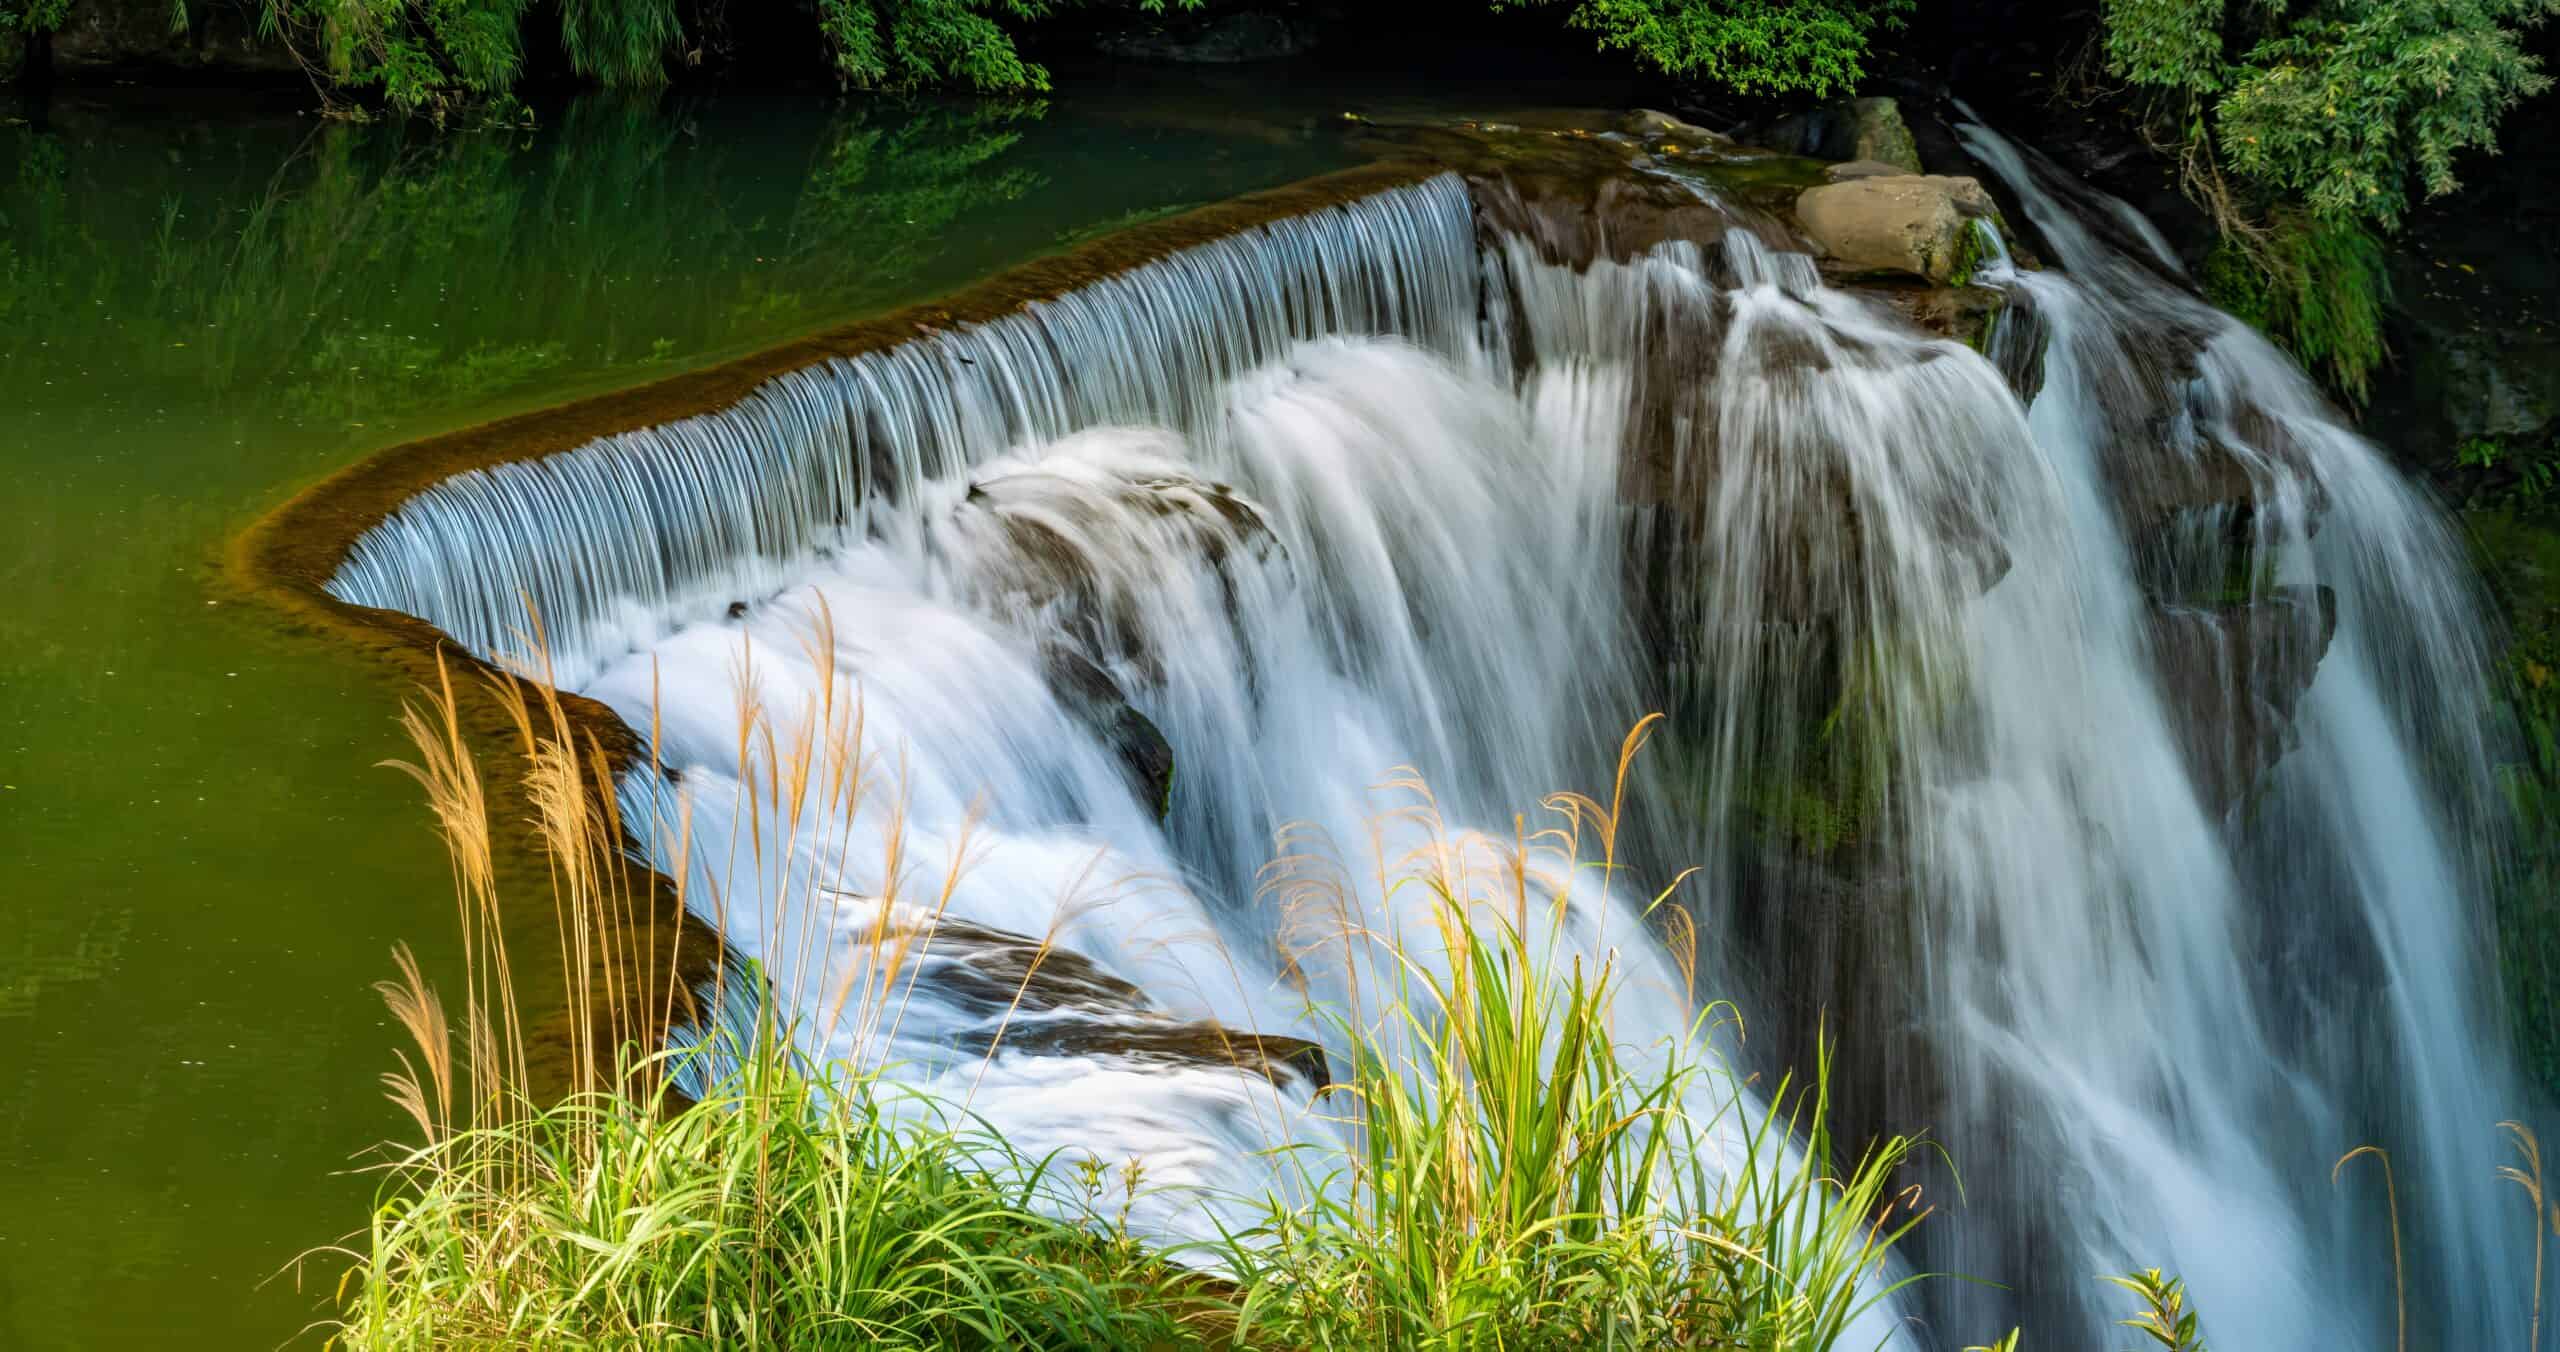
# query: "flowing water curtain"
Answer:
x=2152 y=923
x=688 y=516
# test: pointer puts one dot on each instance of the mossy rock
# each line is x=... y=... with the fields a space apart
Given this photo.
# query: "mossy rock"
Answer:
x=1880 y=134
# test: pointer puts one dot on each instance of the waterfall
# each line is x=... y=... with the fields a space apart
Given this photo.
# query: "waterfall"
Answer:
x=2086 y=730
x=613 y=542
x=2178 y=993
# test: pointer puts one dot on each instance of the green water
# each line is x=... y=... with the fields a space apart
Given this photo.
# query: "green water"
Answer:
x=207 y=304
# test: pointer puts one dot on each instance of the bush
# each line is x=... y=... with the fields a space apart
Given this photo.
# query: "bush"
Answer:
x=1813 y=47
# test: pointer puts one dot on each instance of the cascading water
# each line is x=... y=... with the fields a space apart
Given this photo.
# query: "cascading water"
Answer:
x=1972 y=718
x=2179 y=988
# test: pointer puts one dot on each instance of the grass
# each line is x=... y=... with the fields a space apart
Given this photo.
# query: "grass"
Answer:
x=1523 y=1175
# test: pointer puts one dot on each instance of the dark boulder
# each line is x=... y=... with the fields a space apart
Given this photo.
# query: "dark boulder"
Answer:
x=1043 y=999
x=1221 y=36
x=1088 y=693
x=2232 y=677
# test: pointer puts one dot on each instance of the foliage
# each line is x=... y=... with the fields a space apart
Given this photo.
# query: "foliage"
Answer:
x=899 y=44
x=2318 y=287
x=1751 y=46
x=781 y=1209
x=619 y=42
x=36 y=16
x=2348 y=103
x=2165 y=1316
x=430 y=56
x=446 y=57
x=2528 y=478
x=2340 y=103
x=2303 y=127
x=2519 y=549
x=1524 y=1180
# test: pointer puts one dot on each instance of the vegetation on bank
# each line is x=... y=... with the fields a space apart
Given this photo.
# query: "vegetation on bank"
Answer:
x=2305 y=130
x=1522 y=1177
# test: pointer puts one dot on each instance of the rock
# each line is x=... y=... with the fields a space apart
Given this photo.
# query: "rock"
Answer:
x=2232 y=677
x=1231 y=38
x=1046 y=999
x=1574 y=221
x=1030 y=541
x=1089 y=694
x=1922 y=225
x=1879 y=135
x=1998 y=324
x=1865 y=129
x=1854 y=169
x=1653 y=125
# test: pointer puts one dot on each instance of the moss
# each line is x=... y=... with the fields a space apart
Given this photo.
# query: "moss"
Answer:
x=2520 y=552
x=2318 y=289
x=1986 y=335
x=1972 y=251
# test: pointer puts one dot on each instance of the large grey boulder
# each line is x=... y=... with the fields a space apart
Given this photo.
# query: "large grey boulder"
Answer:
x=1914 y=223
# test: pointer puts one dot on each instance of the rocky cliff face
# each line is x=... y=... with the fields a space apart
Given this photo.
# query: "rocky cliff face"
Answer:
x=219 y=37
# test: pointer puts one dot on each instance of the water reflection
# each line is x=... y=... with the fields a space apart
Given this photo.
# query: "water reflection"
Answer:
x=375 y=270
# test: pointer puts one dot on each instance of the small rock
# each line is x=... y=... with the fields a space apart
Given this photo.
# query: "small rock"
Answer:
x=1649 y=122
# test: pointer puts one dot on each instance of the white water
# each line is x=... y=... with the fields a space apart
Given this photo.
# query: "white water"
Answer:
x=1290 y=496
x=2183 y=1022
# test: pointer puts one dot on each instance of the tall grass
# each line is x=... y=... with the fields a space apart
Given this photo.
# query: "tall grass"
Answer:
x=1528 y=1176
x=1523 y=1174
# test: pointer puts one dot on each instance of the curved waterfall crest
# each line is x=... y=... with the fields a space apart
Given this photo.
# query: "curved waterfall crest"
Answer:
x=635 y=527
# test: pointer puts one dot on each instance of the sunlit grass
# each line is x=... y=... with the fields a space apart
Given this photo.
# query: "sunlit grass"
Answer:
x=1524 y=1175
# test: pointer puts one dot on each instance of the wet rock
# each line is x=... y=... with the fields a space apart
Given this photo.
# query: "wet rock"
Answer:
x=1036 y=558
x=2232 y=677
x=1230 y=38
x=100 y=36
x=1877 y=133
x=1810 y=529
x=1576 y=219
x=2171 y=444
x=1857 y=169
x=1861 y=129
x=1967 y=314
x=1658 y=127
x=1910 y=223
x=1088 y=693
x=1044 y=999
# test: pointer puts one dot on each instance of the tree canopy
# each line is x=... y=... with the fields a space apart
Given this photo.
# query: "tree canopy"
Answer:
x=1749 y=46
x=2303 y=127
x=2344 y=104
